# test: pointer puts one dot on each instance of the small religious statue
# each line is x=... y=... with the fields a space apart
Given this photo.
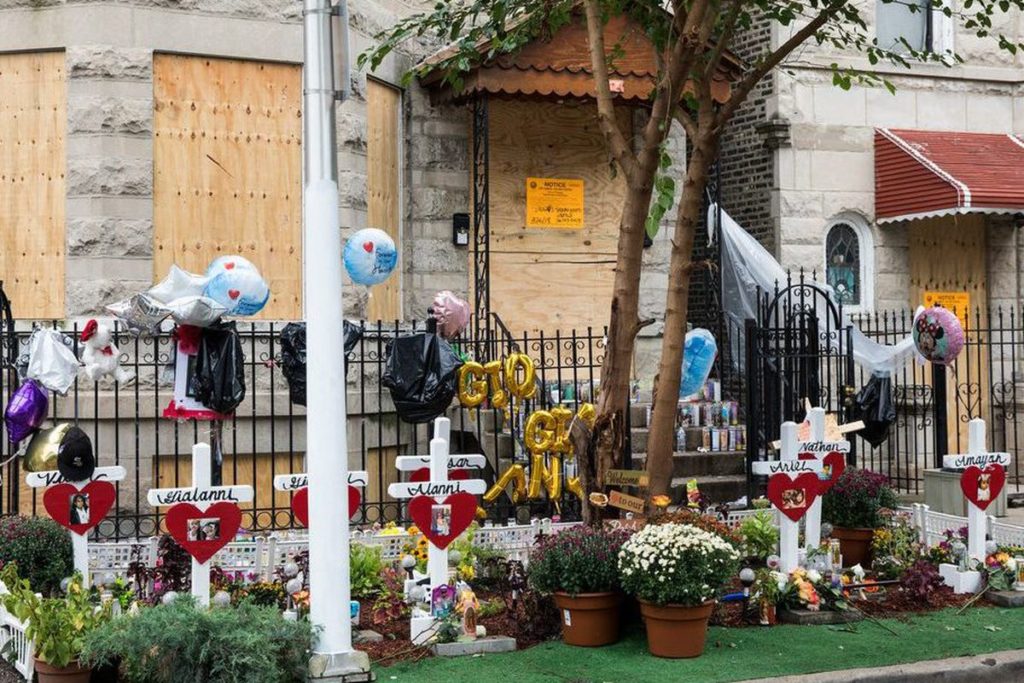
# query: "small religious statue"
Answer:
x=468 y=606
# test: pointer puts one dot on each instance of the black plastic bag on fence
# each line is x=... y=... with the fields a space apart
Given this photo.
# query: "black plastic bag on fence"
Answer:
x=293 y=356
x=421 y=373
x=219 y=379
x=876 y=408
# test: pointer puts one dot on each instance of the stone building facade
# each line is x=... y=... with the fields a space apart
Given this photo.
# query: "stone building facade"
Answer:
x=818 y=142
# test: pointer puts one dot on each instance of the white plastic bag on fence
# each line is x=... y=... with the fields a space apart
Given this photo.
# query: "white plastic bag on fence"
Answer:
x=51 y=362
x=747 y=268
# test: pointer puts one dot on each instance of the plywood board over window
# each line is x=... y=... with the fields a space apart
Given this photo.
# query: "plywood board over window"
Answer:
x=383 y=187
x=546 y=278
x=227 y=169
x=33 y=115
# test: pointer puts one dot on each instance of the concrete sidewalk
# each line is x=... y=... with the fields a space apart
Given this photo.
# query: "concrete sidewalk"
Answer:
x=1003 y=667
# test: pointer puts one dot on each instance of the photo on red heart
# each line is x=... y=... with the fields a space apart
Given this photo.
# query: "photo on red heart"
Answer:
x=204 y=529
x=984 y=486
x=79 y=508
x=441 y=520
x=793 y=499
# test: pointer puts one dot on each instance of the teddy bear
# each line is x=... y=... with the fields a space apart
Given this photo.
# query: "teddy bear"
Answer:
x=100 y=356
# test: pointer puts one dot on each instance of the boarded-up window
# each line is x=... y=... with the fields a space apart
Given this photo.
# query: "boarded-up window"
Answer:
x=227 y=165
x=383 y=187
x=33 y=115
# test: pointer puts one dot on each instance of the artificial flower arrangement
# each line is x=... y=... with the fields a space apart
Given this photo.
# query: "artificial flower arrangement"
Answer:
x=809 y=589
x=943 y=551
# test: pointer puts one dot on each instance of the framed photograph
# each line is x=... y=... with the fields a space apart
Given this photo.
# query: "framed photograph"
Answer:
x=442 y=600
x=204 y=529
x=79 y=508
x=794 y=499
x=441 y=520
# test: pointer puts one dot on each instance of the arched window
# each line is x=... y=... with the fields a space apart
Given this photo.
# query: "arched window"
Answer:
x=848 y=261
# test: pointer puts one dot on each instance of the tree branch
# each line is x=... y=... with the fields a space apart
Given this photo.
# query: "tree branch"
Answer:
x=741 y=91
x=606 y=118
x=724 y=38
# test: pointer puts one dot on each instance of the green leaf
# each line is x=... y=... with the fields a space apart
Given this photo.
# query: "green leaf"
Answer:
x=651 y=226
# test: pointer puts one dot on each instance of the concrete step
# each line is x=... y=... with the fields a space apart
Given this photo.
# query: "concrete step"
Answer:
x=716 y=489
x=638 y=414
x=638 y=439
x=691 y=464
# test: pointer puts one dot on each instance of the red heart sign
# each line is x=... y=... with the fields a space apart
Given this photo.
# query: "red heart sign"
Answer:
x=793 y=496
x=423 y=474
x=203 y=532
x=368 y=246
x=234 y=294
x=463 y=510
x=229 y=265
x=97 y=497
x=832 y=465
x=300 y=503
x=982 y=486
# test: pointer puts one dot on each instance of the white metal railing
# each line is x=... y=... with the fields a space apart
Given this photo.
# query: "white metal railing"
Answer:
x=13 y=640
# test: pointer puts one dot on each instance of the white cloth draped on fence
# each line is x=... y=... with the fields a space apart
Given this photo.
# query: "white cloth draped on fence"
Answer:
x=747 y=268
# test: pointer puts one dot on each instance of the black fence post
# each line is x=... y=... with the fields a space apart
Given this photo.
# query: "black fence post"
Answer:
x=753 y=406
x=939 y=412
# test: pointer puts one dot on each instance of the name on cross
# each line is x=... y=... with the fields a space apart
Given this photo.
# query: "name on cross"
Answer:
x=213 y=494
x=51 y=477
x=963 y=461
x=294 y=482
x=824 y=447
x=411 y=489
x=408 y=463
x=770 y=467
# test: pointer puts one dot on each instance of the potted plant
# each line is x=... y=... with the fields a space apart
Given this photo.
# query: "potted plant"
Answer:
x=578 y=567
x=675 y=570
x=57 y=627
x=760 y=536
x=853 y=507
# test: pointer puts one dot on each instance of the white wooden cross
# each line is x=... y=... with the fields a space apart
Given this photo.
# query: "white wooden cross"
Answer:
x=976 y=456
x=790 y=464
x=820 y=448
x=79 y=542
x=294 y=482
x=200 y=494
x=438 y=488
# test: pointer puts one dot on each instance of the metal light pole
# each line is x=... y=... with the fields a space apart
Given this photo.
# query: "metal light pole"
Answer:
x=326 y=445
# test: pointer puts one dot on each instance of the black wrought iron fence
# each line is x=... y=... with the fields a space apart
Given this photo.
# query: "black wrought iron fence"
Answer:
x=266 y=435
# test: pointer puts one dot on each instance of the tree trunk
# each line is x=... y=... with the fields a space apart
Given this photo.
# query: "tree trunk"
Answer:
x=666 y=385
x=608 y=441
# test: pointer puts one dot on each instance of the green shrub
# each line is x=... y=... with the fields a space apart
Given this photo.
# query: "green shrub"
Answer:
x=365 y=568
x=181 y=643
x=40 y=547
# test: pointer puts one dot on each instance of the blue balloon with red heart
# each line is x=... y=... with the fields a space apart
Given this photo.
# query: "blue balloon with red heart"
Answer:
x=370 y=256
x=236 y=284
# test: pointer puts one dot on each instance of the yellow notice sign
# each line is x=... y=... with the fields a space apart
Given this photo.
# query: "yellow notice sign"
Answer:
x=958 y=302
x=554 y=203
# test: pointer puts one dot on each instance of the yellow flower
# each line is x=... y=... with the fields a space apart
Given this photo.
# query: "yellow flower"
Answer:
x=413 y=530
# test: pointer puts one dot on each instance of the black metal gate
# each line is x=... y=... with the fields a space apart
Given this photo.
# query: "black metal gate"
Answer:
x=798 y=351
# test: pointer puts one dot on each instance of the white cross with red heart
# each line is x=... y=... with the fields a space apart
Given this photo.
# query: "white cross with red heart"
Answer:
x=983 y=475
x=98 y=495
x=299 y=484
x=202 y=518
x=832 y=456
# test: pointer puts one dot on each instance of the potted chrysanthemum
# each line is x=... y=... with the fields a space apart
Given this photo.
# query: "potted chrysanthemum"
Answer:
x=577 y=566
x=675 y=571
x=854 y=509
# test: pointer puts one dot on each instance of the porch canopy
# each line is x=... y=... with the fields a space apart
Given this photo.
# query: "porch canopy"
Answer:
x=922 y=174
x=560 y=67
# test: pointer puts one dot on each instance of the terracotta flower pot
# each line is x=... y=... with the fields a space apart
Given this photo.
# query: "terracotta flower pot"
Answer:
x=589 y=619
x=72 y=673
x=855 y=545
x=676 y=631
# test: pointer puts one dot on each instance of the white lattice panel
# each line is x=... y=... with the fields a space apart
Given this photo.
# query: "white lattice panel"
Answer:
x=13 y=640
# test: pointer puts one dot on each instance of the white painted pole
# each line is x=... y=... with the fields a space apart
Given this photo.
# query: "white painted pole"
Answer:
x=976 y=524
x=80 y=549
x=201 y=478
x=437 y=559
x=789 y=531
x=329 y=588
x=812 y=522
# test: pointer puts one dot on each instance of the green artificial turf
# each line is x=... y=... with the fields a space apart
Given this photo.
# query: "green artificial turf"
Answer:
x=738 y=654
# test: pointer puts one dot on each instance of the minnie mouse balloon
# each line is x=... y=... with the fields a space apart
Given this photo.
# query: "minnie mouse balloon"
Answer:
x=938 y=335
x=237 y=285
x=370 y=256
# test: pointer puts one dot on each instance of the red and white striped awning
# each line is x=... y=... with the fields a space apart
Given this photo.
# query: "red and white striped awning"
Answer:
x=920 y=174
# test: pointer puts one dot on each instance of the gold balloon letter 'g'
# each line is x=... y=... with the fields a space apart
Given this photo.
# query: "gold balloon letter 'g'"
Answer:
x=472 y=384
